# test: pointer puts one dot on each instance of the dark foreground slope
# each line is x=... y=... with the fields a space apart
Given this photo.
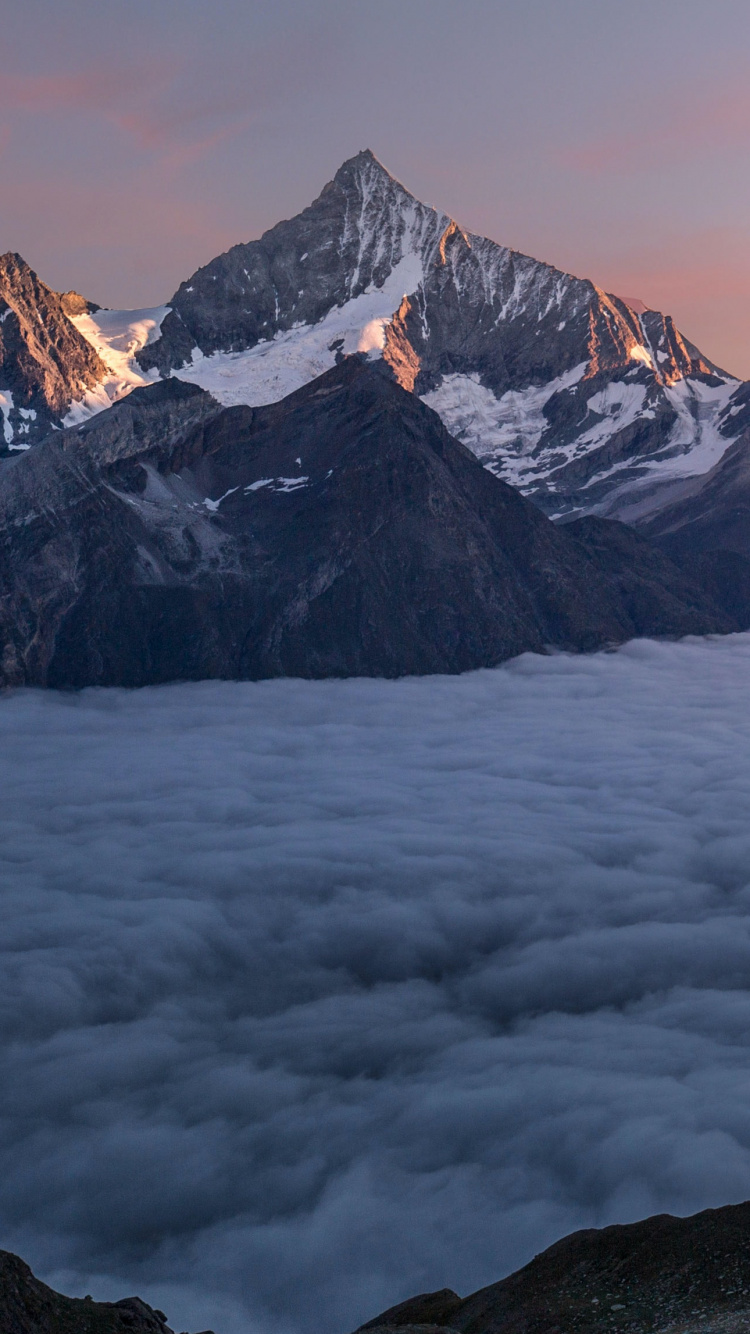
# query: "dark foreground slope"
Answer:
x=665 y=1274
x=340 y=532
x=30 y=1307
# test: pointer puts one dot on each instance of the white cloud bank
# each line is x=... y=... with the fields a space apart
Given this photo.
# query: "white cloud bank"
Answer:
x=316 y=995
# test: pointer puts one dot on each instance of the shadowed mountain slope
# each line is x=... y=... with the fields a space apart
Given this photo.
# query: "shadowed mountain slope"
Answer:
x=708 y=513
x=340 y=532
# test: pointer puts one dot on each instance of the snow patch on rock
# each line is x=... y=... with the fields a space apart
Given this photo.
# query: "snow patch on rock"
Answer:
x=503 y=431
x=277 y=366
x=6 y=407
x=117 y=335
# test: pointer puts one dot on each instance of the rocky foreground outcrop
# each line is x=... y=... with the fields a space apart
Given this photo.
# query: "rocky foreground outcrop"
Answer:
x=28 y=1306
x=340 y=532
x=662 y=1276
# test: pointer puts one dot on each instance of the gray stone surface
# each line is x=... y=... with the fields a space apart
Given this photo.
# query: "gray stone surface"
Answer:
x=340 y=532
x=480 y=309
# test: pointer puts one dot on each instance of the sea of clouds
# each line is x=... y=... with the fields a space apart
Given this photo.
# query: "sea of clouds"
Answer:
x=315 y=995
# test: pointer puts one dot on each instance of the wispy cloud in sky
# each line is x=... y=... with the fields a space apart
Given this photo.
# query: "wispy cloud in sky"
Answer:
x=683 y=127
x=565 y=133
x=160 y=105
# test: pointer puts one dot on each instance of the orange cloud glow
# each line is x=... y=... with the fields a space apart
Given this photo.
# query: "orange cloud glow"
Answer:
x=705 y=121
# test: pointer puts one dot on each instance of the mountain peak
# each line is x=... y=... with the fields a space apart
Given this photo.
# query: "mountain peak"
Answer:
x=12 y=268
x=365 y=166
x=365 y=157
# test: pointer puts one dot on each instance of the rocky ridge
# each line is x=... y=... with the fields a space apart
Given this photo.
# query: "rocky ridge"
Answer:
x=28 y=1306
x=561 y=389
x=664 y=1275
x=340 y=532
x=585 y=402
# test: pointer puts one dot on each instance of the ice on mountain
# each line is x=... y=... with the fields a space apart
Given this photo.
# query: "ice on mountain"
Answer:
x=117 y=335
x=213 y=505
x=6 y=407
x=503 y=430
x=276 y=367
x=640 y=353
x=383 y=229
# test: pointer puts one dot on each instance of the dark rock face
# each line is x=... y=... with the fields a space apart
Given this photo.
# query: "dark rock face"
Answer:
x=708 y=513
x=30 y=1307
x=45 y=363
x=676 y=1274
x=340 y=532
x=595 y=377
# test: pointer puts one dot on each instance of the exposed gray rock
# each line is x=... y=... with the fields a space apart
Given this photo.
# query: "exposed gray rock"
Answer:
x=340 y=532
x=561 y=389
x=355 y=233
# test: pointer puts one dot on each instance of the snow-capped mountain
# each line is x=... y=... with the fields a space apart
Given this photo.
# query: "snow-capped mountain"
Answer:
x=585 y=402
x=568 y=393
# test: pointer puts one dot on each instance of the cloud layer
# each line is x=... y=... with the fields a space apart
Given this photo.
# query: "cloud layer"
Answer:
x=317 y=995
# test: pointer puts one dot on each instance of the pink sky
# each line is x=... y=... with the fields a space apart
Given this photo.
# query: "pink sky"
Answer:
x=609 y=140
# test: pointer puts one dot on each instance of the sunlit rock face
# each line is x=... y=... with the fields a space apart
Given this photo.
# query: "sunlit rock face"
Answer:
x=45 y=363
x=570 y=394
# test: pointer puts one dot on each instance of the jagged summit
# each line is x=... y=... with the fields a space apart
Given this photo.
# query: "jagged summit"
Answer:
x=560 y=388
x=582 y=400
x=364 y=158
x=362 y=171
x=364 y=233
